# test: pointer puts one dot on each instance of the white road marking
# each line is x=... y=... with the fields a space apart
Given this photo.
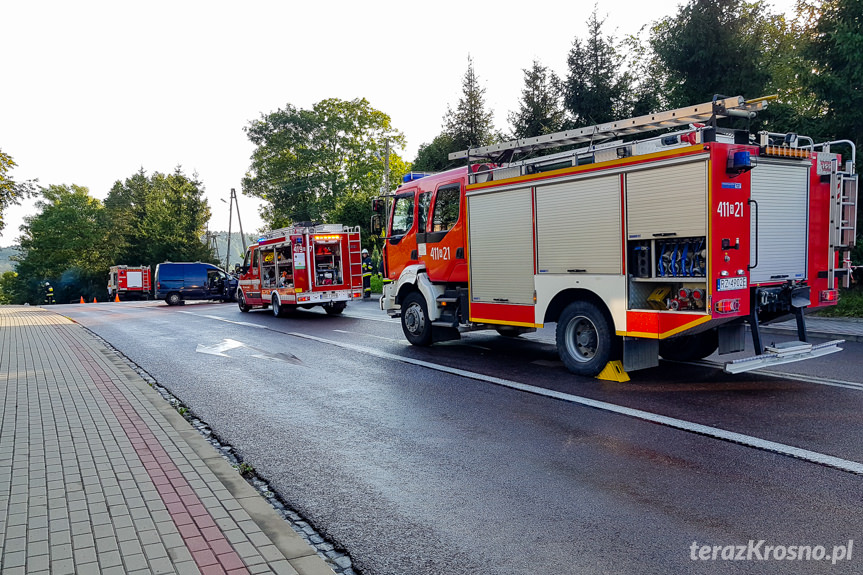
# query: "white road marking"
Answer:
x=245 y=323
x=386 y=319
x=370 y=335
x=219 y=348
x=229 y=344
x=709 y=431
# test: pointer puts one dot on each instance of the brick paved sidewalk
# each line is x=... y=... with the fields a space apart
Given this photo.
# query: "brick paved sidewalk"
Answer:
x=99 y=475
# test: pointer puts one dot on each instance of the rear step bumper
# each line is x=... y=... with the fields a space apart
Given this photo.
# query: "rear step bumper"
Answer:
x=787 y=352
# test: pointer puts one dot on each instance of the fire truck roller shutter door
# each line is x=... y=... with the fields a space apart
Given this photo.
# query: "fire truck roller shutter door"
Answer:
x=501 y=243
x=782 y=193
x=578 y=226
x=671 y=200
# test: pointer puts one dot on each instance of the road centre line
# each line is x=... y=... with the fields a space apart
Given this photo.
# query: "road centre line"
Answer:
x=683 y=425
x=245 y=323
x=370 y=318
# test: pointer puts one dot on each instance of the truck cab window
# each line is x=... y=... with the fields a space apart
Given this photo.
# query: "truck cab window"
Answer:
x=403 y=215
x=423 y=211
x=446 y=206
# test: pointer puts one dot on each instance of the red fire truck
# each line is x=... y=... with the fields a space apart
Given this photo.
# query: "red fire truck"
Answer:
x=666 y=246
x=303 y=265
x=129 y=282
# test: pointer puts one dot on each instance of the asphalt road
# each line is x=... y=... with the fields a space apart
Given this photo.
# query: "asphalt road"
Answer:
x=418 y=468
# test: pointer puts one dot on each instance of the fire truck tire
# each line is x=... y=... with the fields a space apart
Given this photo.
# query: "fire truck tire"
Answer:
x=415 y=319
x=241 y=301
x=584 y=339
x=336 y=308
x=173 y=298
x=689 y=347
x=280 y=310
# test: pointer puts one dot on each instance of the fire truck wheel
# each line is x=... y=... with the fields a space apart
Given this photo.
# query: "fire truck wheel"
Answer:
x=279 y=310
x=584 y=340
x=336 y=308
x=241 y=301
x=689 y=347
x=173 y=299
x=415 y=319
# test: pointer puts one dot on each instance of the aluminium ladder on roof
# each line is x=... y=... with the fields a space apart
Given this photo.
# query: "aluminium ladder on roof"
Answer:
x=719 y=108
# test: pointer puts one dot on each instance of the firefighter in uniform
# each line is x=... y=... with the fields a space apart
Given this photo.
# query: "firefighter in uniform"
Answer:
x=49 y=293
x=367 y=274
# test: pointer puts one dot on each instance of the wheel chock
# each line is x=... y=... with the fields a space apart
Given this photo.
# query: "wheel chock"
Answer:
x=613 y=371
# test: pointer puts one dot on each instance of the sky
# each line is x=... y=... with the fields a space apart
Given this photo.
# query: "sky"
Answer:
x=91 y=91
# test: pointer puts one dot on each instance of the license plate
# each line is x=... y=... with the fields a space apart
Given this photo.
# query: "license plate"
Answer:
x=726 y=284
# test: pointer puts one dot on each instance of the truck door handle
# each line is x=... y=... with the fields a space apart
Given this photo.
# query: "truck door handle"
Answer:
x=576 y=271
x=750 y=266
x=501 y=299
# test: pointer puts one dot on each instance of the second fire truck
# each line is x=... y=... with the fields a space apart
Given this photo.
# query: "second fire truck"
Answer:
x=666 y=246
x=129 y=282
x=303 y=265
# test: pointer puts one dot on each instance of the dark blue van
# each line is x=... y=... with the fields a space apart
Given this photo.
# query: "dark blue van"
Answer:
x=178 y=281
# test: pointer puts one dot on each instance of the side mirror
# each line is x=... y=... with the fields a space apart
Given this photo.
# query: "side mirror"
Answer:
x=377 y=225
x=378 y=206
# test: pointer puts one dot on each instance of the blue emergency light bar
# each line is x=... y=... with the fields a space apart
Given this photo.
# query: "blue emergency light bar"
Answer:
x=413 y=176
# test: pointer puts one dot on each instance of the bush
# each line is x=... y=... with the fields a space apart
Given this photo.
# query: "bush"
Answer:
x=850 y=304
x=377 y=284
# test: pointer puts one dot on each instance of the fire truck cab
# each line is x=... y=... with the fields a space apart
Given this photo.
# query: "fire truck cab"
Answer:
x=129 y=282
x=303 y=265
x=666 y=246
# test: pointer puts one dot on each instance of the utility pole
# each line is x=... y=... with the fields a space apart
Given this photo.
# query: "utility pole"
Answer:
x=231 y=203
x=387 y=167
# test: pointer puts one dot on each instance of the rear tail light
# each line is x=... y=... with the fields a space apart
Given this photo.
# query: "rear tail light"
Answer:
x=829 y=295
x=727 y=305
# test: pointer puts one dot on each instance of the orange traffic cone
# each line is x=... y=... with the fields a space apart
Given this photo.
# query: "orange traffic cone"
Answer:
x=117 y=298
x=94 y=300
x=82 y=299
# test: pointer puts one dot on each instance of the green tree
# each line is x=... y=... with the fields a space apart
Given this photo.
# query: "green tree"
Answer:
x=434 y=156
x=308 y=165
x=833 y=52
x=540 y=110
x=645 y=78
x=158 y=218
x=127 y=208
x=11 y=192
x=175 y=221
x=470 y=125
x=8 y=287
x=715 y=47
x=65 y=244
x=596 y=87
